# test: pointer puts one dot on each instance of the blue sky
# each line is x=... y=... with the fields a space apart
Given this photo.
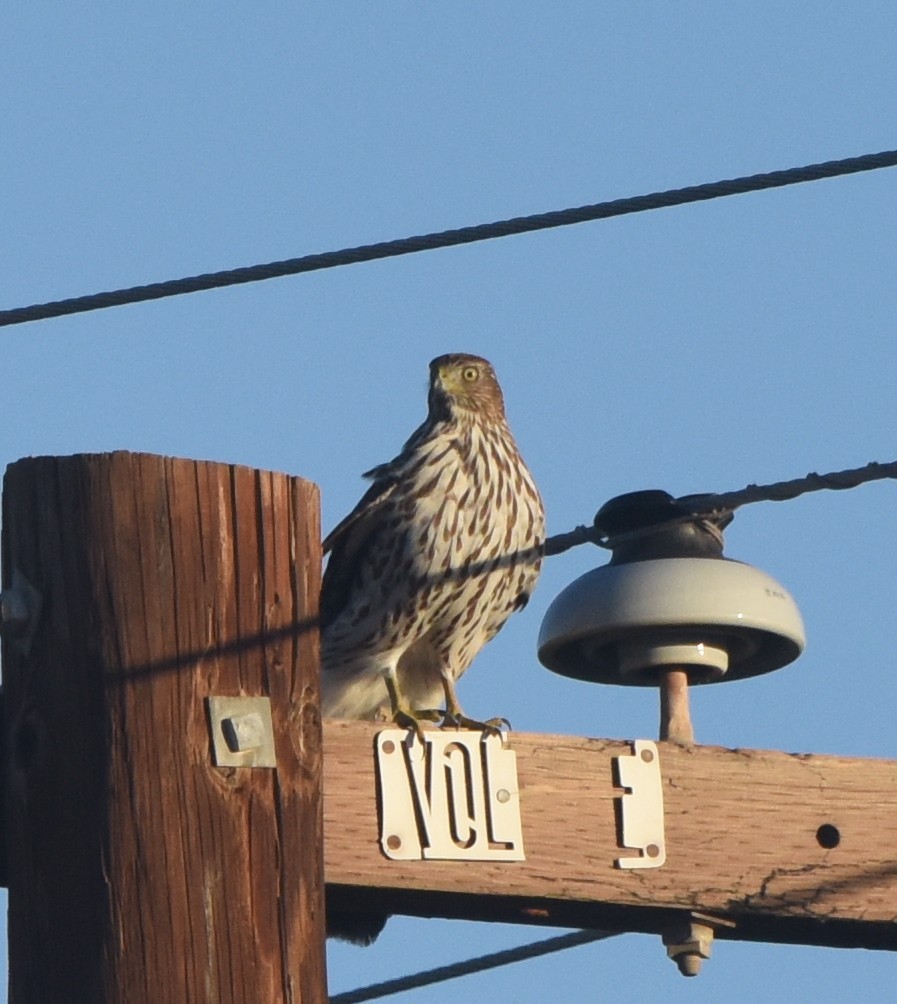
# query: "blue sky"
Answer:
x=700 y=348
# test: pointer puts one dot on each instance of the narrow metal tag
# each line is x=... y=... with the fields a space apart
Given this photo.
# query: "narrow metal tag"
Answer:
x=641 y=806
x=453 y=797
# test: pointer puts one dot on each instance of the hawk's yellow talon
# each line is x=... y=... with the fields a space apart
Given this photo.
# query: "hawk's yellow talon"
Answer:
x=492 y=726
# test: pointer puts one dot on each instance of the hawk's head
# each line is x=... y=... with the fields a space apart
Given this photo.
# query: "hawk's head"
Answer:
x=461 y=382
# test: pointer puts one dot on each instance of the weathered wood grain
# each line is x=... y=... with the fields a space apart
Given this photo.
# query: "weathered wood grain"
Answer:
x=743 y=842
x=140 y=872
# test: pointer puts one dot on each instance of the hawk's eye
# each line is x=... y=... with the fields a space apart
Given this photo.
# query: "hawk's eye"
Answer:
x=470 y=373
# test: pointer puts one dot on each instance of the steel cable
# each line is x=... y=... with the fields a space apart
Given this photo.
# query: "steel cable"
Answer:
x=449 y=238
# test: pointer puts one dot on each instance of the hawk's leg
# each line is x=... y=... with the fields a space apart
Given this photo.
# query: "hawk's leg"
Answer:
x=455 y=718
x=403 y=714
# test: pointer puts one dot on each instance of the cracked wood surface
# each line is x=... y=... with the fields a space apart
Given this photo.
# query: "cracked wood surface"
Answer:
x=139 y=871
x=748 y=838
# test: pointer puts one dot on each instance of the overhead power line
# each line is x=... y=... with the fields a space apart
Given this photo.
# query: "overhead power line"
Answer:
x=439 y=975
x=715 y=504
x=450 y=238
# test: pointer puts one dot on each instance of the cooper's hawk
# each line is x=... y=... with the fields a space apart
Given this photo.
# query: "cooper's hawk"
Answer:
x=443 y=547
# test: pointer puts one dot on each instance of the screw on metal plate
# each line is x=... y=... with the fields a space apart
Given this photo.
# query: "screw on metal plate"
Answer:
x=641 y=806
x=453 y=796
x=242 y=731
x=20 y=610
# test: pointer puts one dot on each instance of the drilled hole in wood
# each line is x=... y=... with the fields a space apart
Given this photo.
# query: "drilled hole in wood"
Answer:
x=828 y=836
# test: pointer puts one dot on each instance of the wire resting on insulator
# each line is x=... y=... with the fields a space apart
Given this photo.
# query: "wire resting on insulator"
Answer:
x=717 y=508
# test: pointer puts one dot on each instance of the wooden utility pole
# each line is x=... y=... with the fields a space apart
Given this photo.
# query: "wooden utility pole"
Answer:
x=141 y=872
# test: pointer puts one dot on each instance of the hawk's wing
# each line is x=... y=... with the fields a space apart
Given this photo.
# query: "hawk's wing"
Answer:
x=349 y=543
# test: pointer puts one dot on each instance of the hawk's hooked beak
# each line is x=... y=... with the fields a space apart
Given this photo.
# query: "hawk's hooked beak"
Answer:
x=450 y=379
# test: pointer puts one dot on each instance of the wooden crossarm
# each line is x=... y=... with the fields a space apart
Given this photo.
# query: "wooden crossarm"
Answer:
x=791 y=847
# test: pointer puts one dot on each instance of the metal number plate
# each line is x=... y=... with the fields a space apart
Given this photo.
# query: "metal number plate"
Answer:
x=641 y=806
x=453 y=797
